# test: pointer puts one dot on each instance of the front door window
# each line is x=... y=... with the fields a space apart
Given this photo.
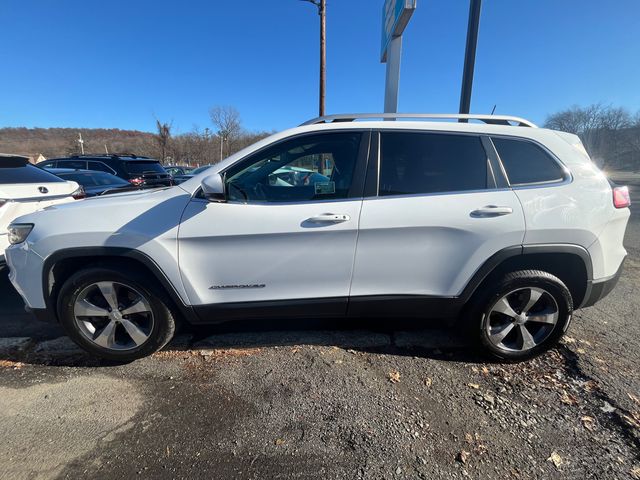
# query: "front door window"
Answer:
x=310 y=168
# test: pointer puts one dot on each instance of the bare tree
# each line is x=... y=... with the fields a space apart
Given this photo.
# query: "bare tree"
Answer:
x=600 y=128
x=227 y=120
x=163 y=137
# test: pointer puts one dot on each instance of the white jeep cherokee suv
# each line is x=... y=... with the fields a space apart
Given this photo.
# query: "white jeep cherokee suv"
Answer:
x=506 y=226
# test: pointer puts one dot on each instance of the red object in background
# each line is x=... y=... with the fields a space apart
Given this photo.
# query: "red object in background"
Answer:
x=79 y=194
x=136 y=181
x=621 y=198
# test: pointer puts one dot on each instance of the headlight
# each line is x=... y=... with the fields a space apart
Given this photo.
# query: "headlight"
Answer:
x=18 y=232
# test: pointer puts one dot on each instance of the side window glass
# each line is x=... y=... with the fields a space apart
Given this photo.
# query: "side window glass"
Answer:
x=99 y=167
x=526 y=163
x=312 y=168
x=422 y=163
x=75 y=164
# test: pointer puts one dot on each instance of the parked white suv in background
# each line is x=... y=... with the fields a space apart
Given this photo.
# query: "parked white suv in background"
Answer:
x=25 y=189
x=506 y=226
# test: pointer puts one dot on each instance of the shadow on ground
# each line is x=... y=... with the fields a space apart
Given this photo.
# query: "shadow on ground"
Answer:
x=24 y=339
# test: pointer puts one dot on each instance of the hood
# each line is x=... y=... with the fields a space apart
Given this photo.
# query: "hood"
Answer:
x=108 y=210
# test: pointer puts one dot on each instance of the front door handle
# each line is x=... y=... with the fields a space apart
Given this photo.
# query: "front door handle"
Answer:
x=330 y=218
x=491 y=211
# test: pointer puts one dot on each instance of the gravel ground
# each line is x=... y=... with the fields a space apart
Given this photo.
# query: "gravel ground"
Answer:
x=335 y=401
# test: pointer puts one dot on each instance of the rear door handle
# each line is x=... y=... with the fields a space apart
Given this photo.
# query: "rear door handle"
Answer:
x=491 y=211
x=330 y=218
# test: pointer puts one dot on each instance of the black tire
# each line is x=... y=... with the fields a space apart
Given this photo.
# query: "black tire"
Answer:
x=163 y=323
x=486 y=299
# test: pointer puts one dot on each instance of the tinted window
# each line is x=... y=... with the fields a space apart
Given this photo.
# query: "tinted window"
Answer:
x=318 y=167
x=100 y=167
x=143 y=167
x=27 y=174
x=75 y=164
x=526 y=162
x=93 y=179
x=48 y=164
x=430 y=163
x=200 y=169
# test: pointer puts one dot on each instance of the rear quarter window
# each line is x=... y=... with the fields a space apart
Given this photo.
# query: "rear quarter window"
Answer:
x=527 y=163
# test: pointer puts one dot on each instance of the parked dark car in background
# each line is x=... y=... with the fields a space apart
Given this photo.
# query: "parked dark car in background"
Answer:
x=179 y=173
x=94 y=183
x=138 y=171
x=178 y=179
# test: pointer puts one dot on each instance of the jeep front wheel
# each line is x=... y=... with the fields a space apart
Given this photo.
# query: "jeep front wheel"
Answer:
x=112 y=315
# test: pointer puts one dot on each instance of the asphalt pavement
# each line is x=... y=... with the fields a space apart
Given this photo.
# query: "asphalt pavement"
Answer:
x=333 y=400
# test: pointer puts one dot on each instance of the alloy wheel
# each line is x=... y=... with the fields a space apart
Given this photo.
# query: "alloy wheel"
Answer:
x=113 y=315
x=522 y=319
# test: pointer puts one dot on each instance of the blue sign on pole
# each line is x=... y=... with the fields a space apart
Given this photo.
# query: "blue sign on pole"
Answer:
x=395 y=16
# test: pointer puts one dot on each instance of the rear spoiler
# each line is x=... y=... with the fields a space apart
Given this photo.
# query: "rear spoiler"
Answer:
x=13 y=161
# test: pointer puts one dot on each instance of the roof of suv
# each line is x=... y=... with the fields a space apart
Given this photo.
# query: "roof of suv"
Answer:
x=506 y=120
x=123 y=156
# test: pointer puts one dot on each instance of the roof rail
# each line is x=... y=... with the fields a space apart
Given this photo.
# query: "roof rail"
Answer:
x=112 y=155
x=489 y=119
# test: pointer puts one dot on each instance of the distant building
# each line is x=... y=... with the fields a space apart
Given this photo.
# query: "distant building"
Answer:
x=37 y=158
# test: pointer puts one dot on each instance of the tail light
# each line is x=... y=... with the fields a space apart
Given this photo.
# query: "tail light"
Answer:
x=621 y=198
x=79 y=194
x=136 y=181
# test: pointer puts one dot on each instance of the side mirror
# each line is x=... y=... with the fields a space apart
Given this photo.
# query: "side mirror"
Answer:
x=213 y=188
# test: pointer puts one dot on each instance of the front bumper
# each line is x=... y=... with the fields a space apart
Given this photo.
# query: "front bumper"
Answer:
x=602 y=288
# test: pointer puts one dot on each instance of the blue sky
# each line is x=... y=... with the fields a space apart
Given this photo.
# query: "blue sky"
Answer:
x=122 y=63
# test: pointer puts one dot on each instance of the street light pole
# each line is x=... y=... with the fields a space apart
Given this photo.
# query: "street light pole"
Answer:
x=322 y=12
x=470 y=56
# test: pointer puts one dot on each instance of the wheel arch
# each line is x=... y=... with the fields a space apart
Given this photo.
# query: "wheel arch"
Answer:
x=59 y=266
x=570 y=263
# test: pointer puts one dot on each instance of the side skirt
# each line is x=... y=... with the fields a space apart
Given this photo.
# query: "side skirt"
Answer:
x=378 y=306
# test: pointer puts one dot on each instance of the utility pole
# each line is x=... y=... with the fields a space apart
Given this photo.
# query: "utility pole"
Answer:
x=222 y=135
x=322 y=12
x=81 y=142
x=470 y=56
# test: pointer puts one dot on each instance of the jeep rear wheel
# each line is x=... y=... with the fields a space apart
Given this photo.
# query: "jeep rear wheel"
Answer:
x=111 y=314
x=523 y=315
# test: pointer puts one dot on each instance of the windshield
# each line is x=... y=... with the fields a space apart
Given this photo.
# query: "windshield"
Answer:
x=145 y=166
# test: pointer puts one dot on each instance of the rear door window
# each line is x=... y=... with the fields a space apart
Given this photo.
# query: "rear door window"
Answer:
x=27 y=174
x=423 y=163
x=527 y=163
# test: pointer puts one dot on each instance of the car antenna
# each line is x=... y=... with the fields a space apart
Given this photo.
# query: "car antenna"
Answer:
x=494 y=109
